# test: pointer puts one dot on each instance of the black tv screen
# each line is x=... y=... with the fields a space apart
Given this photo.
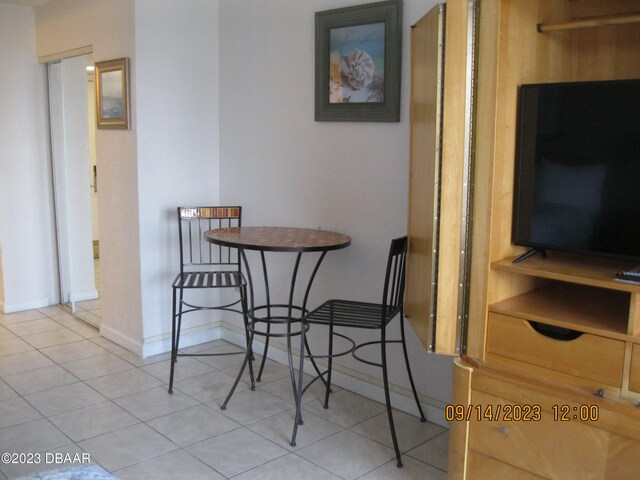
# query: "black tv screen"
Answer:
x=577 y=182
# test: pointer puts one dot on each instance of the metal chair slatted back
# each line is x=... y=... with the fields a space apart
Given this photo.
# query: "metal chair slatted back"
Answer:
x=393 y=296
x=195 y=252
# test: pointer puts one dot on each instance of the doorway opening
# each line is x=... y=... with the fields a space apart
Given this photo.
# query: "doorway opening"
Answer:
x=75 y=180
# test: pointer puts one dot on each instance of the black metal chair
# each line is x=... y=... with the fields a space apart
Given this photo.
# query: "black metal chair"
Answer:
x=362 y=315
x=206 y=266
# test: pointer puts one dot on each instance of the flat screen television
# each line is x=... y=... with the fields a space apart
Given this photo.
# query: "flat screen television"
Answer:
x=577 y=181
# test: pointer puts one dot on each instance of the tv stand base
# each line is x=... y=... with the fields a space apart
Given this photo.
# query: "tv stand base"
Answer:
x=531 y=253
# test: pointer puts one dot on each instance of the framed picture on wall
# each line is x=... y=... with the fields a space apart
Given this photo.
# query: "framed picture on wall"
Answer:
x=112 y=94
x=358 y=59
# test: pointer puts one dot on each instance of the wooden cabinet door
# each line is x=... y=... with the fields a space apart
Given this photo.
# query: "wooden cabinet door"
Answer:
x=439 y=184
x=424 y=172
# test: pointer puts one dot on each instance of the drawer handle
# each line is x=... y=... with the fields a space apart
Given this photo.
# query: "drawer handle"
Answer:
x=557 y=333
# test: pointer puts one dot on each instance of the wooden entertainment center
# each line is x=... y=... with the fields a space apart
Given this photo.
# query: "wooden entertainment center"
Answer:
x=547 y=383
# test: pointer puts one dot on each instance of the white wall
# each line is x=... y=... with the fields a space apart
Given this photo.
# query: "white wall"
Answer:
x=177 y=71
x=287 y=169
x=27 y=260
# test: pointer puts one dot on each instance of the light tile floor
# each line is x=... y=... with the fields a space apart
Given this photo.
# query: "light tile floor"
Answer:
x=91 y=310
x=65 y=390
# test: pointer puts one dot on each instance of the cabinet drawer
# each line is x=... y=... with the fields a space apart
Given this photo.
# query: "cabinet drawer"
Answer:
x=547 y=448
x=622 y=459
x=588 y=356
x=481 y=467
x=634 y=375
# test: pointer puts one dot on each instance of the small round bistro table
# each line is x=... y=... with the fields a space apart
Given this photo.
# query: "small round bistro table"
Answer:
x=261 y=318
x=278 y=239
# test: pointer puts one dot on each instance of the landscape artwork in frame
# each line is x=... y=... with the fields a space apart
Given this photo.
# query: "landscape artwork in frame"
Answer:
x=358 y=51
x=112 y=95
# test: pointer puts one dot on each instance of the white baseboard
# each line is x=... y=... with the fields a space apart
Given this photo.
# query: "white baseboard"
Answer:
x=42 y=302
x=122 y=340
x=90 y=294
x=188 y=338
x=30 y=304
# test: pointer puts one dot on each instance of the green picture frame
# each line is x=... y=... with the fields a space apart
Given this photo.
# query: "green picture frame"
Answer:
x=358 y=52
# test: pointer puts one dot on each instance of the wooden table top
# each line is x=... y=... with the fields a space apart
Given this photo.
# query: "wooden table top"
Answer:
x=278 y=239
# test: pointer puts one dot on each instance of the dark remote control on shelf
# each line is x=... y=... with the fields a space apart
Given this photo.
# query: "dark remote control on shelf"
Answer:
x=632 y=276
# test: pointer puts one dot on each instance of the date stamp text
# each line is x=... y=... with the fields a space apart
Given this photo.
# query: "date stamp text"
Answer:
x=519 y=413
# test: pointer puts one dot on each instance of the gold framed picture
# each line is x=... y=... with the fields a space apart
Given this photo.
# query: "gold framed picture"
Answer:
x=112 y=94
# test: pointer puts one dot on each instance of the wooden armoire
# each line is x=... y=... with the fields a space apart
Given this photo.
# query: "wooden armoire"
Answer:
x=525 y=406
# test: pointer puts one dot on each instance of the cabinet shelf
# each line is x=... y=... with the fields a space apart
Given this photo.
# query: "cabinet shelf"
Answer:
x=576 y=307
x=601 y=21
x=595 y=272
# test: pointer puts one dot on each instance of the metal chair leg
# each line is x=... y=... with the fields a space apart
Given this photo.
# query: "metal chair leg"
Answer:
x=385 y=379
x=327 y=390
x=249 y=350
x=406 y=361
x=180 y=305
x=310 y=356
x=174 y=350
